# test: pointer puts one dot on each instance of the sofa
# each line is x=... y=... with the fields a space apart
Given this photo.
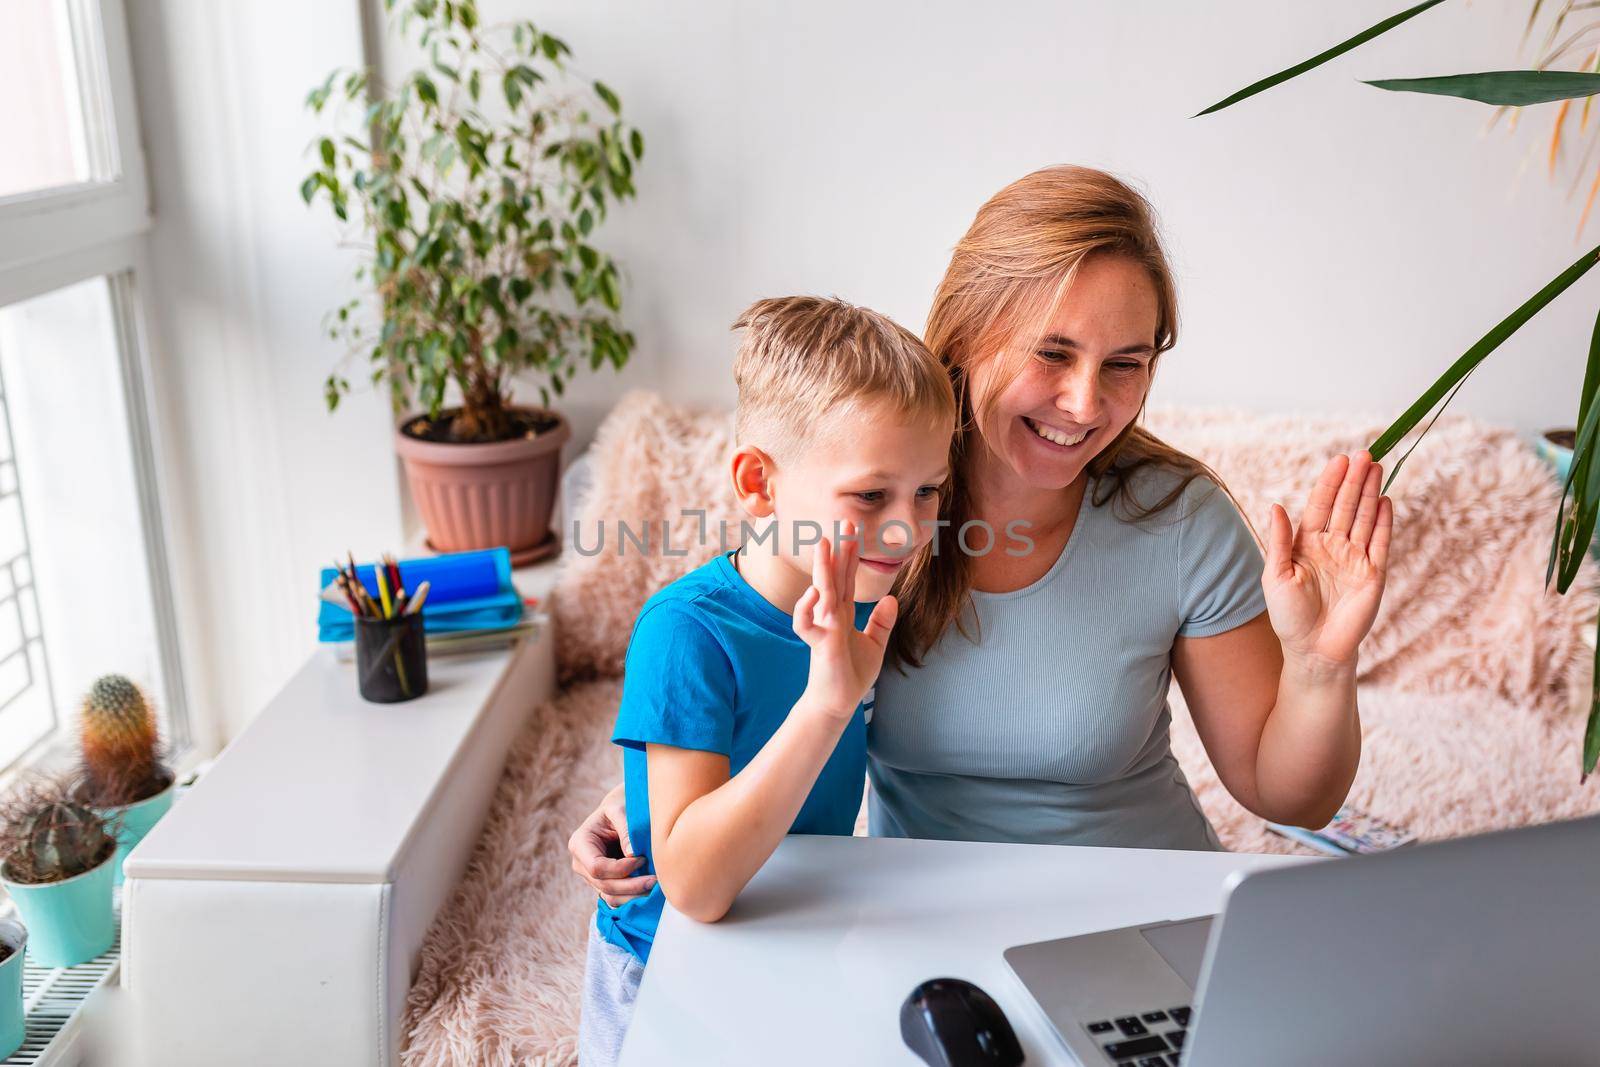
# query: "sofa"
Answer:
x=1473 y=684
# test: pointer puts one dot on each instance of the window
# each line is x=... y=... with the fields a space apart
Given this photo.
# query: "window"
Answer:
x=84 y=584
x=46 y=142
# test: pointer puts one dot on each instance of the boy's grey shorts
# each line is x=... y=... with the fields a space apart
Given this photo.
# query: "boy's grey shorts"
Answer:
x=610 y=983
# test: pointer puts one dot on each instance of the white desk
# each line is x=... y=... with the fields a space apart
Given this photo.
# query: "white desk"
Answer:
x=814 y=960
x=276 y=916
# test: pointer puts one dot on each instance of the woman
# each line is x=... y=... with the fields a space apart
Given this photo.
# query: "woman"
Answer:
x=1027 y=700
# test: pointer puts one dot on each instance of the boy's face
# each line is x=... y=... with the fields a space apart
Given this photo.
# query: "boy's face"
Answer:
x=877 y=468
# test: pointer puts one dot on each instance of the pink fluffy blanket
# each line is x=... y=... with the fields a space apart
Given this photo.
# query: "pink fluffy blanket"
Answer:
x=1473 y=686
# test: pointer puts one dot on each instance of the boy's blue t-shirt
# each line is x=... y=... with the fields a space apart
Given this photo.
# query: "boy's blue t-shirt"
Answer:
x=713 y=666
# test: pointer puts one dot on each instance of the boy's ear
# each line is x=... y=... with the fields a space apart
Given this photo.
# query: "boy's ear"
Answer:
x=752 y=480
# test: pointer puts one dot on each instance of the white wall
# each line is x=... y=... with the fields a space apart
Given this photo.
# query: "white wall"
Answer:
x=265 y=486
x=1337 y=245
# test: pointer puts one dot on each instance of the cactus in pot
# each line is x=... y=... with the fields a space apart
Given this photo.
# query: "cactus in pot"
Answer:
x=13 y=1016
x=121 y=746
x=48 y=836
x=123 y=773
x=56 y=862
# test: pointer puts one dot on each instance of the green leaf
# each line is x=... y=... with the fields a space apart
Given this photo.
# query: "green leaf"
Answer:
x=515 y=81
x=1508 y=88
x=1569 y=543
x=317 y=97
x=474 y=85
x=308 y=188
x=1317 y=60
x=332 y=389
x=426 y=91
x=637 y=140
x=326 y=148
x=1591 y=732
x=553 y=48
x=604 y=92
x=1470 y=359
x=1578 y=474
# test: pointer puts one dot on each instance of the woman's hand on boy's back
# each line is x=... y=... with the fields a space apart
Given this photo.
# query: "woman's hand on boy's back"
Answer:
x=604 y=857
x=844 y=661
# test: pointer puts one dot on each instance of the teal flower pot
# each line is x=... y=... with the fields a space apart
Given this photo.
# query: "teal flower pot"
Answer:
x=1559 y=456
x=133 y=821
x=13 y=1025
x=68 y=922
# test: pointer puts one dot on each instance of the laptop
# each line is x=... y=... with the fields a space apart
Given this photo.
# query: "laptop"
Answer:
x=1479 y=950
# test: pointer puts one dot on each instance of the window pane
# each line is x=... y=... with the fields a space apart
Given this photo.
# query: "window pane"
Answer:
x=42 y=138
x=72 y=547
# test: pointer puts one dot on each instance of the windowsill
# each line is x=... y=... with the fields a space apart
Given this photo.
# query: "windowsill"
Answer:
x=59 y=752
x=62 y=752
x=75 y=1010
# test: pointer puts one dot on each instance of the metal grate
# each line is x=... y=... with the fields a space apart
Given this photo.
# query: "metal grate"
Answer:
x=51 y=997
x=22 y=659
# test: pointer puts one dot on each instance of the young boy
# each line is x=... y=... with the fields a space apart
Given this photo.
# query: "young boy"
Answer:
x=743 y=715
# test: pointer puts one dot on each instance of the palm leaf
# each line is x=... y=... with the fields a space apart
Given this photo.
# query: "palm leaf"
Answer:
x=1589 y=203
x=1555 y=135
x=1317 y=60
x=1513 y=88
x=1533 y=16
x=1463 y=366
x=1583 y=474
x=1591 y=731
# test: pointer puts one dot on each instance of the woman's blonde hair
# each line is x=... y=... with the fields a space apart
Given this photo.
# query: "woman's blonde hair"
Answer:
x=1008 y=275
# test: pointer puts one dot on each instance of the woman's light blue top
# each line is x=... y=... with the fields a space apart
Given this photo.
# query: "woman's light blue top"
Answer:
x=1053 y=726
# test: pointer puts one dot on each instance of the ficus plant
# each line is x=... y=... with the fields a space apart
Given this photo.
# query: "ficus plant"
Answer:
x=1575 y=526
x=476 y=184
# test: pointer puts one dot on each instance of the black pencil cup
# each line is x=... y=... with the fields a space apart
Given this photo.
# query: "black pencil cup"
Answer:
x=391 y=658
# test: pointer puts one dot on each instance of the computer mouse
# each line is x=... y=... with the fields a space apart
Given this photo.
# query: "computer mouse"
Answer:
x=950 y=1022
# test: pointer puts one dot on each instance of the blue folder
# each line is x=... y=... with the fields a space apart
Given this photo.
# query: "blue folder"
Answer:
x=466 y=591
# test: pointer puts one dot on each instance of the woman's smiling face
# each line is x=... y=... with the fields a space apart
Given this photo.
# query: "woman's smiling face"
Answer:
x=1083 y=381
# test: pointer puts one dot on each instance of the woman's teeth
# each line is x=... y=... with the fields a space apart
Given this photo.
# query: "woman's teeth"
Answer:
x=1055 y=437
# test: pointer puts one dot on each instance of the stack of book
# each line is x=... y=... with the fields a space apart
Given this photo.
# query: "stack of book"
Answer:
x=1352 y=832
x=471 y=602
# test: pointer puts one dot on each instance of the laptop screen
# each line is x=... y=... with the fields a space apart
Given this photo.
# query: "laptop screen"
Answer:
x=1182 y=945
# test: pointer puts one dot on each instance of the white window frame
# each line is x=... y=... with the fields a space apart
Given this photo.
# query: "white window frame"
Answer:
x=56 y=237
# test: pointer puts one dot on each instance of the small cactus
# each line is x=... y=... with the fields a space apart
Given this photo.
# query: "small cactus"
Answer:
x=121 y=748
x=47 y=836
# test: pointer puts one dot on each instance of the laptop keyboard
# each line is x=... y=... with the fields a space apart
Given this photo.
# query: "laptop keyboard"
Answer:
x=1148 y=1039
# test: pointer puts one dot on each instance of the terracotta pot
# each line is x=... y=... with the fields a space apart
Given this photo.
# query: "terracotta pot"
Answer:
x=475 y=496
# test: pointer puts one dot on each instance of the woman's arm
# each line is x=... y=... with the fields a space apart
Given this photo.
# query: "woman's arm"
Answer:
x=1284 y=738
x=1274 y=700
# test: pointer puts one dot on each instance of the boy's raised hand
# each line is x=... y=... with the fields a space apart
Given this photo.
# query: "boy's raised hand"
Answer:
x=844 y=661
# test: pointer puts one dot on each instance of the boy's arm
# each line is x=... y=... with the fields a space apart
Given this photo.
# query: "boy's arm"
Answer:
x=713 y=833
x=710 y=833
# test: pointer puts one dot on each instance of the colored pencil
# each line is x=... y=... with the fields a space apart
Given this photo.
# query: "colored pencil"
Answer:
x=383 y=590
x=416 y=601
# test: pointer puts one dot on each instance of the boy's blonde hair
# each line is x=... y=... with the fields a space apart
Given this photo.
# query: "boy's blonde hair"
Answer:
x=805 y=360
